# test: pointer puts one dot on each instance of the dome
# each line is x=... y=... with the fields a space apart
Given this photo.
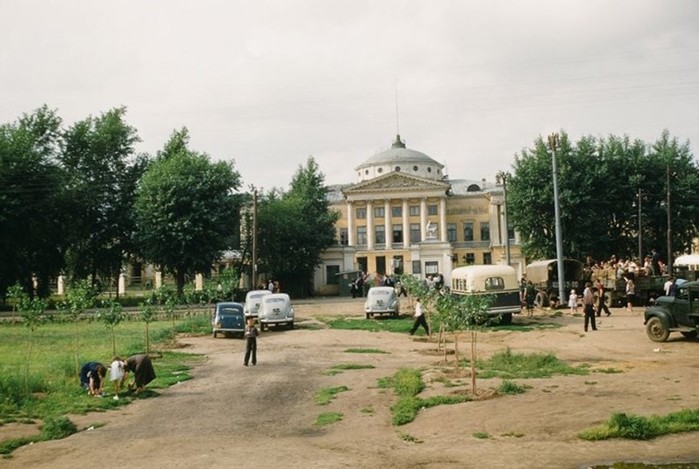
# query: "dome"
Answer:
x=398 y=158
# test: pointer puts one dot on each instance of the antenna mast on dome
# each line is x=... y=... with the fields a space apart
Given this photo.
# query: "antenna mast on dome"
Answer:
x=397 y=123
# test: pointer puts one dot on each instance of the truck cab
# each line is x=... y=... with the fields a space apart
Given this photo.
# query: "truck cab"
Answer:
x=677 y=313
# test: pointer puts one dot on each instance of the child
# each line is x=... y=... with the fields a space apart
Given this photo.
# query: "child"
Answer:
x=116 y=374
x=251 y=334
x=573 y=302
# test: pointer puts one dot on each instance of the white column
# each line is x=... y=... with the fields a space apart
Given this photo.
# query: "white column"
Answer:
x=443 y=219
x=388 y=227
x=158 y=279
x=423 y=219
x=369 y=225
x=406 y=224
x=350 y=223
x=61 y=285
x=198 y=282
x=122 y=284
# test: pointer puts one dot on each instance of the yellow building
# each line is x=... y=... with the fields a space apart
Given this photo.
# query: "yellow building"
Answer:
x=404 y=215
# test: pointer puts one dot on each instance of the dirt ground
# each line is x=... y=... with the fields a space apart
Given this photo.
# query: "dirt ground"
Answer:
x=263 y=416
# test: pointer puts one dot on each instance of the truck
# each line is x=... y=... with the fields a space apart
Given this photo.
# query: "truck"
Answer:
x=676 y=313
x=544 y=276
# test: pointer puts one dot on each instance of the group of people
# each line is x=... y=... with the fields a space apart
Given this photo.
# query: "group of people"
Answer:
x=361 y=285
x=94 y=374
x=271 y=285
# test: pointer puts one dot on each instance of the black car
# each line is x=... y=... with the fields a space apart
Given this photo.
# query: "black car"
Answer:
x=677 y=313
x=228 y=318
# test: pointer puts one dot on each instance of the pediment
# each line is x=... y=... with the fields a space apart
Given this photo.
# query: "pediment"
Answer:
x=397 y=182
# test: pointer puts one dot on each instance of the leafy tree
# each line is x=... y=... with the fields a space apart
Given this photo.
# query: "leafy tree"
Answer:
x=471 y=313
x=102 y=176
x=184 y=209
x=31 y=310
x=147 y=315
x=294 y=228
x=599 y=181
x=32 y=202
x=79 y=298
x=112 y=315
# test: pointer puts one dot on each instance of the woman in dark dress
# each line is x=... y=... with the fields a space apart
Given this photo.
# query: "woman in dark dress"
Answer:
x=142 y=369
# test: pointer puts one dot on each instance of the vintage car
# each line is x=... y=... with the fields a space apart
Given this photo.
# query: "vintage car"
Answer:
x=252 y=302
x=500 y=281
x=228 y=319
x=677 y=313
x=275 y=310
x=381 y=300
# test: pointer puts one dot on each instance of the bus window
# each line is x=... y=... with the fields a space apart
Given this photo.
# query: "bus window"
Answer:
x=494 y=283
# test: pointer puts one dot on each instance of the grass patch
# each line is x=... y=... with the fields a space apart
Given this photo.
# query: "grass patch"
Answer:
x=509 y=365
x=407 y=384
x=399 y=325
x=337 y=369
x=513 y=434
x=326 y=418
x=367 y=410
x=510 y=387
x=636 y=427
x=53 y=428
x=408 y=438
x=364 y=350
x=481 y=435
x=325 y=395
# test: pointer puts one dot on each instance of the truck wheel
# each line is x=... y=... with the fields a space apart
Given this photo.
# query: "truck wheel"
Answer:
x=541 y=300
x=656 y=330
x=215 y=334
x=690 y=334
x=506 y=319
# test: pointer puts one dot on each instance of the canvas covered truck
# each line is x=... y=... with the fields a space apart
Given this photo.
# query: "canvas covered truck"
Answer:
x=544 y=276
x=647 y=287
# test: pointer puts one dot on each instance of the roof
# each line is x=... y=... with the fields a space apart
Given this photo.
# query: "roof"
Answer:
x=399 y=154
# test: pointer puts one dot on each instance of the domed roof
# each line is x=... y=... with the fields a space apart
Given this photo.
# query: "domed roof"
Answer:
x=399 y=155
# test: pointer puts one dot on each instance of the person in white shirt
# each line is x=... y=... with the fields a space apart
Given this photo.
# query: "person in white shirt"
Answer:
x=419 y=318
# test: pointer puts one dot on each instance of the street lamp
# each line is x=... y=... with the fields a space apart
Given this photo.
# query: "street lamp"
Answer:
x=501 y=178
x=553 y=145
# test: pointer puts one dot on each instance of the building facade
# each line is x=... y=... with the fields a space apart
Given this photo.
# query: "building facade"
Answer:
x=403 y=215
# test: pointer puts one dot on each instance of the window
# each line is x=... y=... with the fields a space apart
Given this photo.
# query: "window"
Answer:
x=332 y=274
x=343 y=237
x=485 y=232
x=431 y=268
x=380 y=170
x=398 y=169
x=429 y=169
x=415 y=233
x=470 y=258
x=415 y=168
x=378 y=212
x=468 y=231
x=511 y=233
x=487 y=258
x=397 y=233
x=451 y=232
x=361 y=213
x=380 y=231
x=396 y=212
x=414 y=210
x=431 y=210
x=361 y=235
x=494 y=283
x=416 y=267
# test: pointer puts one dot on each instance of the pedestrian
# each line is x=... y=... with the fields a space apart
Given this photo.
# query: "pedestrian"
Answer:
x=419 y=318
x=630 y=294
x=589 y=306
x=270 y=286
x=142 y=369
x=92 y=377
x=530 y=296
x=601 y=299
x=251 y=334
x=573 y=302
x=116 y=374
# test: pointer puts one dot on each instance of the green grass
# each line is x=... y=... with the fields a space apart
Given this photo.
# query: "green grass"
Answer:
x=509 y=365
x=337 y=369
x=326 y=418
x=481 y=435
x=399 y=325
x=364 y=350
x=510 y=387
x=407 y=384
x=51 y=388
x=325 y=395
x=408 y=438
x=636 y=427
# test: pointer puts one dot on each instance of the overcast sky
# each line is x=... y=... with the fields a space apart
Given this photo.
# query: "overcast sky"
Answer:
x=270 y=83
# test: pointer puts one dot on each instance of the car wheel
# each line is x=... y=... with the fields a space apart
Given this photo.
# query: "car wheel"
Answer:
x=215 y=333
x=368 y=316
x=506 y=319
x=689 y=334
x=290 y=325
x=656 y=330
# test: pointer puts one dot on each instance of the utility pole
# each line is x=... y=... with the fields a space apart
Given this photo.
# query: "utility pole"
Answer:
x=669 y=225
x=640 y=228
x=254 y=239
x=501 y=177
x=553 y=144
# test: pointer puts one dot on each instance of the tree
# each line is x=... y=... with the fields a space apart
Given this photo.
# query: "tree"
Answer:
x=112 y=315
x=471 y=313
x=102 y=171
x=32 y=203
x=599 y=181
x=31 y=310
x=79 y=298
x=294 y=228
x=184 y=209
x=147 y=315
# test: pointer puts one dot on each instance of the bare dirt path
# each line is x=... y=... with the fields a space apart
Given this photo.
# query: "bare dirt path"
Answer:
x=263 y=416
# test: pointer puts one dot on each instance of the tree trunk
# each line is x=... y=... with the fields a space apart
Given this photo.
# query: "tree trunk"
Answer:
x=179 y=277
x=473 y=363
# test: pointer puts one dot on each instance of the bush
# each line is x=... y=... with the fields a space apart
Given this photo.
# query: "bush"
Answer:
x=55 y=428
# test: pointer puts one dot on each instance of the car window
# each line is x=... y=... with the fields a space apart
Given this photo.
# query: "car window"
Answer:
x=380 y=292
x=494 y=283
x=229 y=310
x=683 y=294
x=275 y=300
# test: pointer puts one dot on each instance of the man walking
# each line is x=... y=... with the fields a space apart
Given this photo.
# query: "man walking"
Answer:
x=419 y=318
x=589 y=307
x=601 y=299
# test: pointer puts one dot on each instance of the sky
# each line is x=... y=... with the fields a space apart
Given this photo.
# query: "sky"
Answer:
x=269 y=83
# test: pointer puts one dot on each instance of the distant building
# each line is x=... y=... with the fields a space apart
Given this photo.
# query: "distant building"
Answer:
x=404 y=215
